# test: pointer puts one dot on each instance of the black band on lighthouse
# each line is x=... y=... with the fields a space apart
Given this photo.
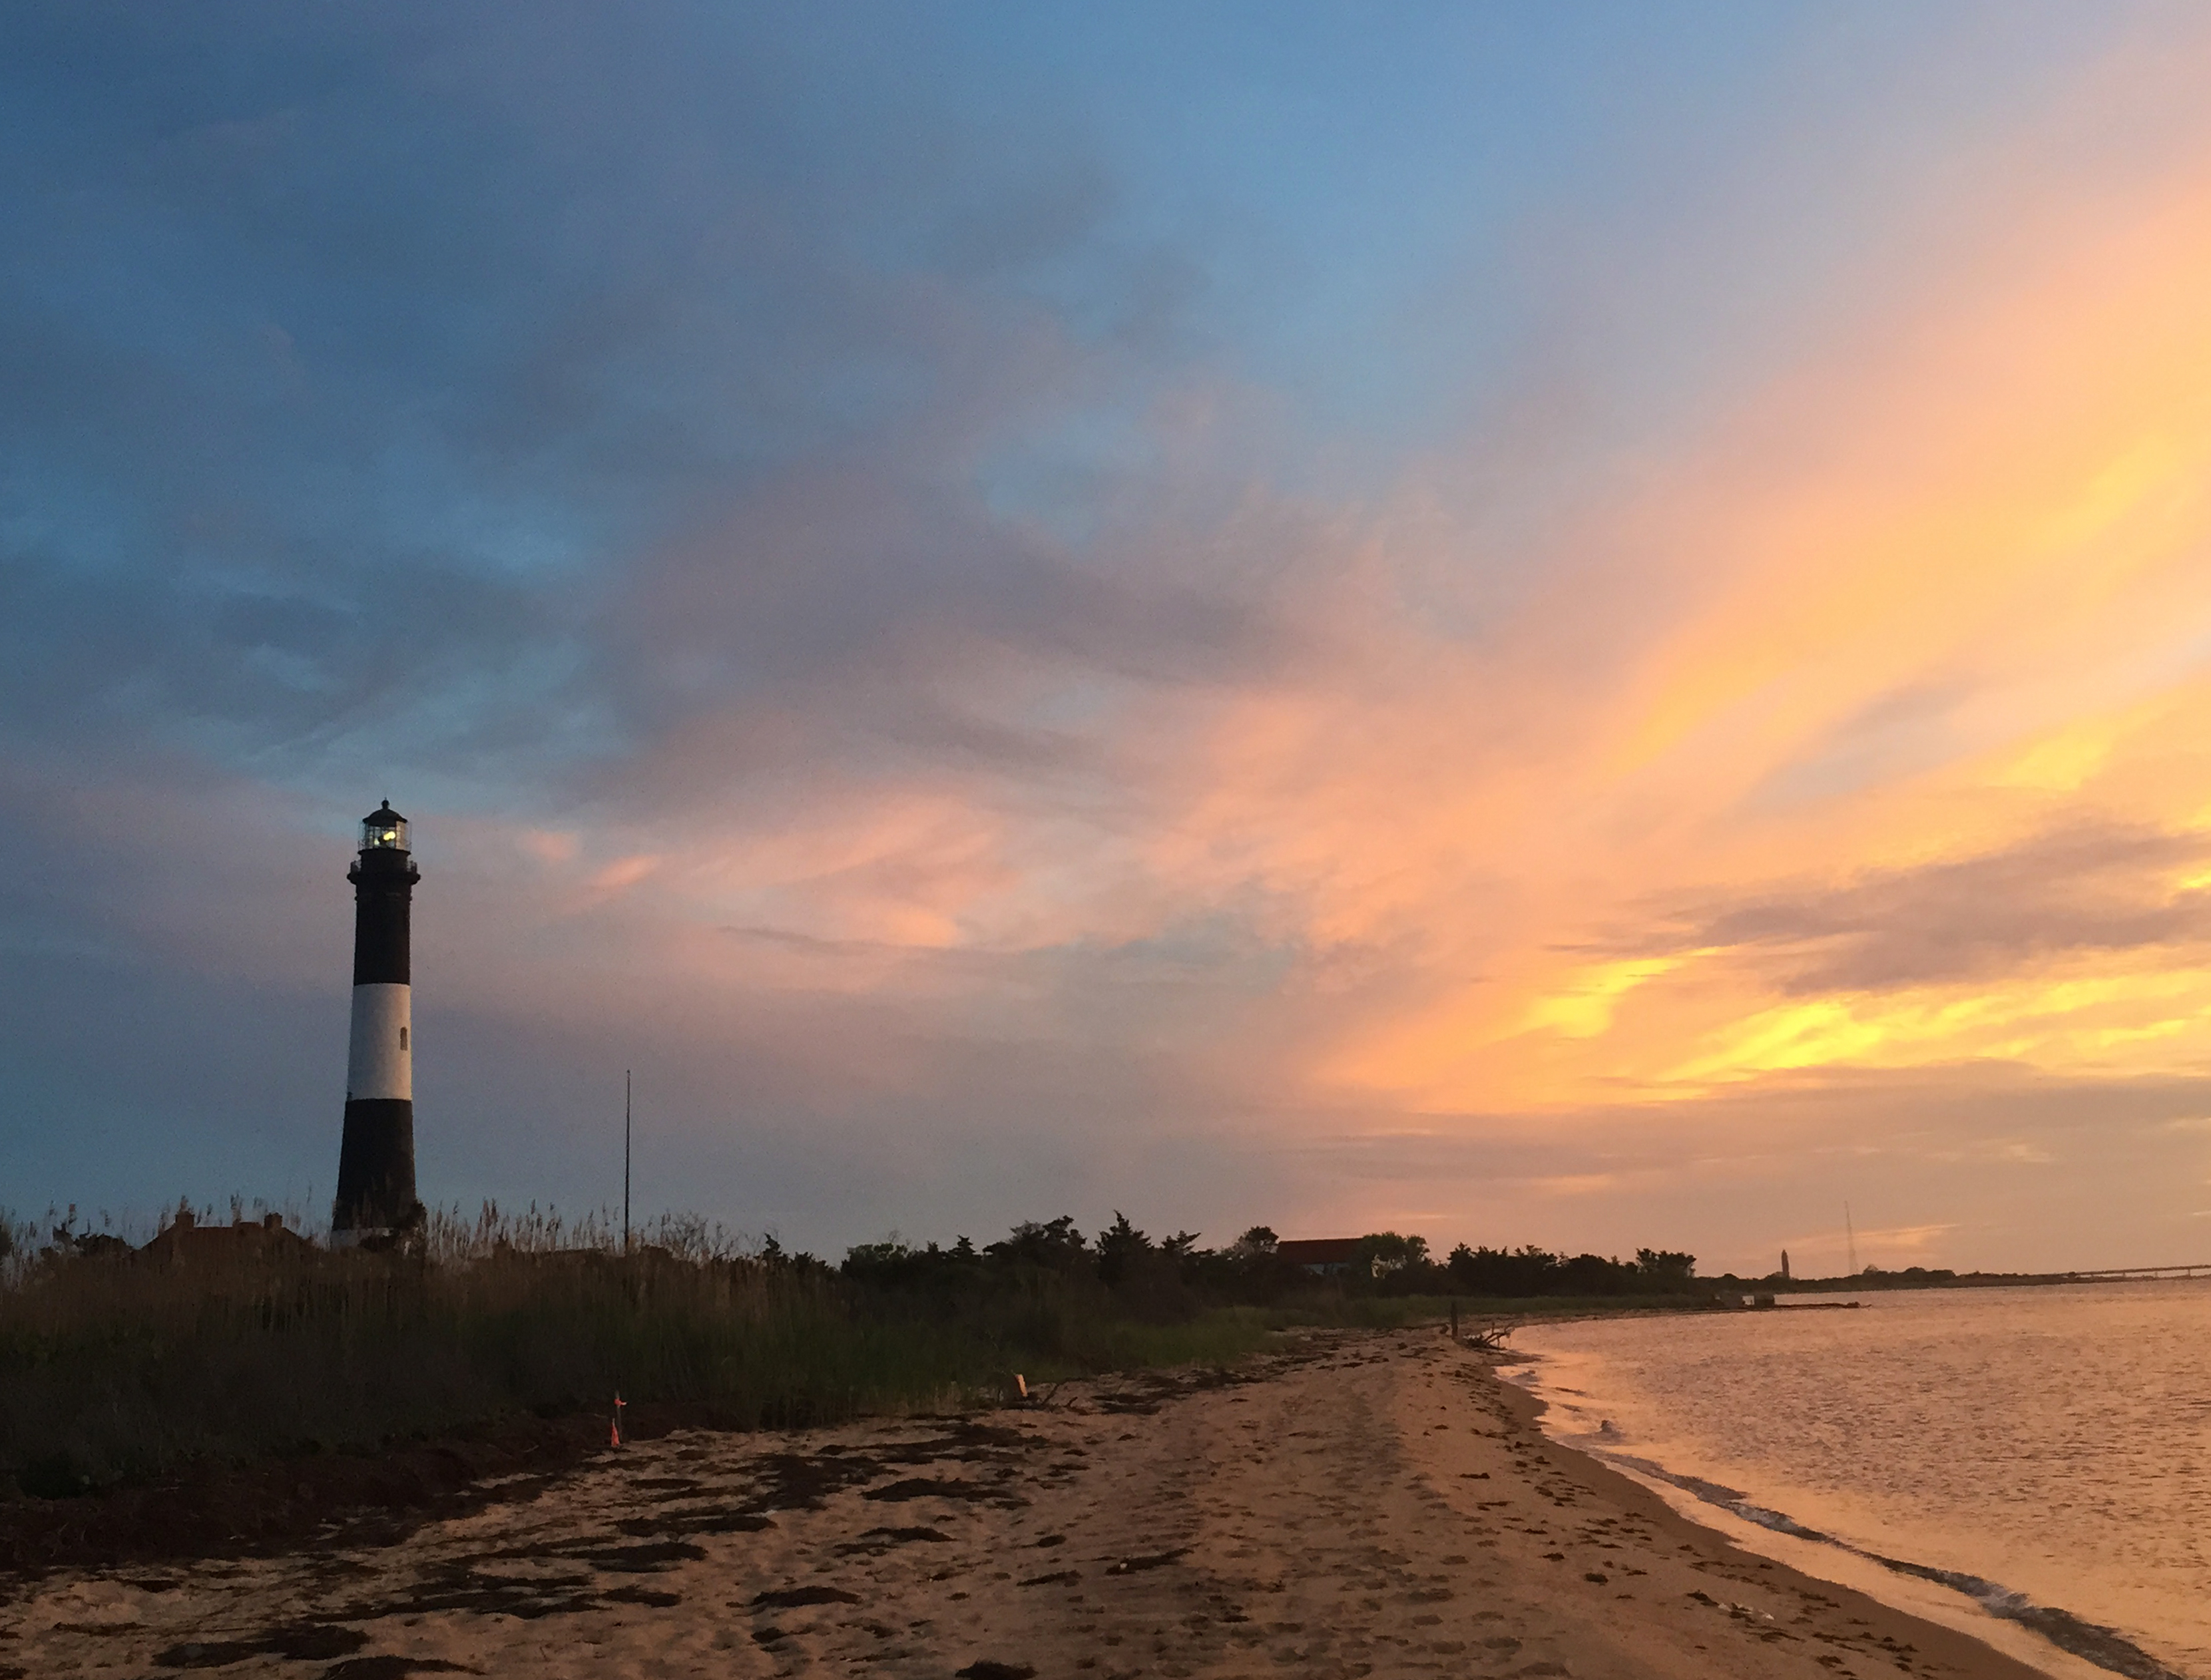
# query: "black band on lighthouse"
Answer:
x=383 y=890
x=376 y=1166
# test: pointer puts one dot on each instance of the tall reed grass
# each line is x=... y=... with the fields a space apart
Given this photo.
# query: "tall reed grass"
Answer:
x=119 y=1368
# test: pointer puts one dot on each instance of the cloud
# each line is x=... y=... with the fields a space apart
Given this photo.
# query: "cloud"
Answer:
x=2092 y=888
x=1009 y=627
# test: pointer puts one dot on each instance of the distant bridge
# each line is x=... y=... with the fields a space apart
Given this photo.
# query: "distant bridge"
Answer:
x=2120 y=1274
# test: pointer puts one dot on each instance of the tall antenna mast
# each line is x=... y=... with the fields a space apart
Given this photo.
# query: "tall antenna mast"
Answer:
x=1851 y=1236
x=624 y=1160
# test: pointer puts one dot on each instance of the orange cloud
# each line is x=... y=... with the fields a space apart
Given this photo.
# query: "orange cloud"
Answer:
x=1936 y=594
x=1946 y=592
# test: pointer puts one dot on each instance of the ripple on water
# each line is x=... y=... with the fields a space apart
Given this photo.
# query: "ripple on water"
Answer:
x=2050 y=1440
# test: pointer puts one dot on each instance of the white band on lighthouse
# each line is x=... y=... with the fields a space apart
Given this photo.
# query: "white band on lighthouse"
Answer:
x=382 y=1062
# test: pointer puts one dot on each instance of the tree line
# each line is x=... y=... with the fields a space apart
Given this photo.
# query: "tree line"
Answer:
x=1149 y=1274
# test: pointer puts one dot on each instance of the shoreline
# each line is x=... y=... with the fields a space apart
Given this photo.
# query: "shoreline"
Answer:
x=1355 y=1501
x=2055 y=1640
x=1967 y=1646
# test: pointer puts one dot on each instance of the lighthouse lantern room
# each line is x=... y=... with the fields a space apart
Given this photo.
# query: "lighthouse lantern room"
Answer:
x=376 y=1200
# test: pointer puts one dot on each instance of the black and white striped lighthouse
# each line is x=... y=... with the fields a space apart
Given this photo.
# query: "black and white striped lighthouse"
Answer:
x=376 y=1161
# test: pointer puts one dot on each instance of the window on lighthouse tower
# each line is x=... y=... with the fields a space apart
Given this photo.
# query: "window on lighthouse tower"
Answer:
x=402 y=1038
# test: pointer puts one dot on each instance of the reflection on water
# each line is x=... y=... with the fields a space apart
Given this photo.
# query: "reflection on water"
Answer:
x=2056 y=1442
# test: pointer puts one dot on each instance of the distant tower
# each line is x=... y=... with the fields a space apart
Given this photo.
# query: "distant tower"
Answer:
x=1784 y=1265
x=376 y=1161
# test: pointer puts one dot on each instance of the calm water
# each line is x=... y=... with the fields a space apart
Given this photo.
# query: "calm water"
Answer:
x=2053 y=1444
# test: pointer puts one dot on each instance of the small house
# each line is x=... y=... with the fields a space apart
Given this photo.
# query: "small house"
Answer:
x=186 y=1242
x=1323 y=1256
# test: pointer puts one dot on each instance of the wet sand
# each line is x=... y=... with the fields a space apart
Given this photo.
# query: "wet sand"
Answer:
x=1362 y=1504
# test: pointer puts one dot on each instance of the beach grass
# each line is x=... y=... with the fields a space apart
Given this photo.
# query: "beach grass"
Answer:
x=121 y=1369
x=112 y=1372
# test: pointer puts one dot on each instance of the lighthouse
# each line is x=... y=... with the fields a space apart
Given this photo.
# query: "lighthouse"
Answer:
x=376 y=1160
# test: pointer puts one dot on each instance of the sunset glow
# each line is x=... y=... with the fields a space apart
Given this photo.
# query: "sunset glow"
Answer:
x=1263 y=659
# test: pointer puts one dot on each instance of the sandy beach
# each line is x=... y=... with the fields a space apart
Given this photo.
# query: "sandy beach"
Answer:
x=1362 y=1503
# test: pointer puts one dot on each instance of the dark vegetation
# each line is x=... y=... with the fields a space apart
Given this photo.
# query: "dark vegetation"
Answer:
x=121 y=1367
x=1876 y=1277
x=1169 y=1278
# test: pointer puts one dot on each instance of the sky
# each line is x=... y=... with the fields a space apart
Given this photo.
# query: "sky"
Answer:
x=1577 y=625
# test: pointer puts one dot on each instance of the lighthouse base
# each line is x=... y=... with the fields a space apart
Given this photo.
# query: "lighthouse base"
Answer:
x=376 y=1172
